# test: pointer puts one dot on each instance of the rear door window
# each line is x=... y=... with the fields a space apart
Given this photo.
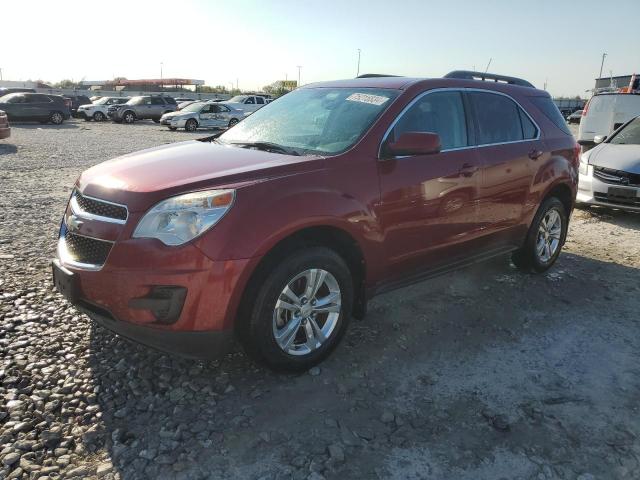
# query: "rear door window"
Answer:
x=157 y=101
x=439 y=112
x=497 y=118
x=260 y=100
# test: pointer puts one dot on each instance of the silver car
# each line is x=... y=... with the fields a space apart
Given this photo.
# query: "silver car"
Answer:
x=610 y=172
x=203 y=115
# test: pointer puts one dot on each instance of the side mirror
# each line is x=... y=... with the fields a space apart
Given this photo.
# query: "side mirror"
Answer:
x=599 y=139
x=414 y=143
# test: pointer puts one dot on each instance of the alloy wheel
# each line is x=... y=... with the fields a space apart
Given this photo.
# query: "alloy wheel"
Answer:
x=307 y=312
x=56 y=118
x=548 y=239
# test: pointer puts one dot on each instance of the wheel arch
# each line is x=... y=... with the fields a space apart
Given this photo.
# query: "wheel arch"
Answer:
x=562 y=192
x=335 y=238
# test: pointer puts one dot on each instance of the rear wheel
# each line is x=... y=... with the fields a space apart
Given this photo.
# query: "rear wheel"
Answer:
x=546 y=236
x=233 y=122
x=56 y=118
x=300 y=311
x=191 y=125
x=99 y=117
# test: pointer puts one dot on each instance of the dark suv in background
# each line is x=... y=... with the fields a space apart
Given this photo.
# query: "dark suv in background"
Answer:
x=281 y=228
x=143 y=107
x=35 y=106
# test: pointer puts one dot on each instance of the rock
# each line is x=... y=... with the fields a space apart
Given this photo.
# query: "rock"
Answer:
x=336 y=452
x=83 y=471
x=586 y=476
x=387 y=417
x=11 y=458
x=314 y=371
x=315 y=476
x=501 y=422
x=104 y=469
x=51 y=438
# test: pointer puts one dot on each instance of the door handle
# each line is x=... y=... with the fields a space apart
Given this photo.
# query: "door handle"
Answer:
x=467 y=169
x=535 y=154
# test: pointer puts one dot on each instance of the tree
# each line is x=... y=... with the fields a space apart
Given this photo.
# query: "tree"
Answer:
x=69 y=84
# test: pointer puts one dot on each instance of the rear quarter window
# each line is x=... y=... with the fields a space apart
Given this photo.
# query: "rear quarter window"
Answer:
x=550 y=110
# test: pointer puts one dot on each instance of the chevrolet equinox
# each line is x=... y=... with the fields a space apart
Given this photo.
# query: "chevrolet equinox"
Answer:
x=280 y=229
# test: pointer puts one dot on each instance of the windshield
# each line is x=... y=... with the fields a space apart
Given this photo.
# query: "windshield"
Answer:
x=101 y=101
x=238 y=99
x=629 y=135
x=6 y=98
x=136 y=101
x=315 y=120
x=193 y=107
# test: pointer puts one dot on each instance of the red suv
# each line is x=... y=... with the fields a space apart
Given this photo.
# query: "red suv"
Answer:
x=280 y=229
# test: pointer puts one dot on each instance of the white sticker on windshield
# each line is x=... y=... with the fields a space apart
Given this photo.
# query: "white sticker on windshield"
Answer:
x=367 y=98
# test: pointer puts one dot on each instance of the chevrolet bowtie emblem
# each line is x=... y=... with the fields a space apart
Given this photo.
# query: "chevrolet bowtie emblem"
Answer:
x=73 y=223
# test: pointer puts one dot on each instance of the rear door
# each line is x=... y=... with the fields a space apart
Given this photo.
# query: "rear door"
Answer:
x=40 y=106
x=222 y=116
x=157 y=107
x=429 y=202
x=508 y=143
x=206 y=115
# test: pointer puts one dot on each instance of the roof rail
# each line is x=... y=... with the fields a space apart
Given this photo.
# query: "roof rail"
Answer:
x=470 y=75
x=374 y=75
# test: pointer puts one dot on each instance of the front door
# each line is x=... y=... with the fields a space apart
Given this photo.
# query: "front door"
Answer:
x=429 y=202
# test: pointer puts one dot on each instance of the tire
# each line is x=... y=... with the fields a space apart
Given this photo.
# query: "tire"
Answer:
x=191 y=125
x=534 y=254
x=56 y=118
x=99 y=117
x=262 y=319
x=128 y=117
x=232 y=122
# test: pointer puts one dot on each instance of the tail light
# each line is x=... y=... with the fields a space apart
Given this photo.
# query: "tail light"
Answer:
x=586 y=108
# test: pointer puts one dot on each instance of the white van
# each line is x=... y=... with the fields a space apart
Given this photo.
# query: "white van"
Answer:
x=604 y=113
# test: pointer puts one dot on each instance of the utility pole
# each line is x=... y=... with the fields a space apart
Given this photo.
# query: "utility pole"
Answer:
x=0 y=74
x=161 y=82
x=602 y=65
x=237 y=83
x=545 y=83
x=299 y=67
x=358 y=69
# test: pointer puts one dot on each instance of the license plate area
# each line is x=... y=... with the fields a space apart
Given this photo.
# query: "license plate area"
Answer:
x=66 y=282
x=622 y=192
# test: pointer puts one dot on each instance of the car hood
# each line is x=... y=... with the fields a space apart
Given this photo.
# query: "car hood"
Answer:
x=618 y=157
x=179 y=114
x=141 y=179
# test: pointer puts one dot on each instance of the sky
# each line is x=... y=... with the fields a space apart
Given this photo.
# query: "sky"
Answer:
x=254 y=43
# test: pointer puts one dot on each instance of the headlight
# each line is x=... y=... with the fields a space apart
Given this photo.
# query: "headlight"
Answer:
x=584 y=164
x=179 y=219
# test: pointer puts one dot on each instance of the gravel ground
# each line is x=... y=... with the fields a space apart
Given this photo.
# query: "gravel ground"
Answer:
x=486 y=373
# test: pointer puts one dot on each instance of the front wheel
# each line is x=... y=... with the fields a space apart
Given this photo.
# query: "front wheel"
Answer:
x=56 y=118
x=191 y=125
x=232 y=122
x=99 y=117
x=129 y=117
x=546 y=236
x=301 y=310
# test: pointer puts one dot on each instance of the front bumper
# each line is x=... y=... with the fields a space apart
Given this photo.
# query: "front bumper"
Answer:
x=200 y=344
x=593 y=191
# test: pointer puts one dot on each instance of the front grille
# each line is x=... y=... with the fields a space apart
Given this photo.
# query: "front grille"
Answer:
x=100 y=207
x=613 y=199
x=86 y=250
x=618 y=177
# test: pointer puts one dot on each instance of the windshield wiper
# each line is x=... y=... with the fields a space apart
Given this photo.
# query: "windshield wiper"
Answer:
x=268 y=147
